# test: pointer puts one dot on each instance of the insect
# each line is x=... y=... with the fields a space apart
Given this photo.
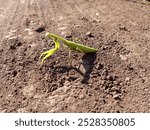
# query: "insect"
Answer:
x=70 y=44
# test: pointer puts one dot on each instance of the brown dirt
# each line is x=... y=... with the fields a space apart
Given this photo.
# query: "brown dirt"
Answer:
x=116 y=79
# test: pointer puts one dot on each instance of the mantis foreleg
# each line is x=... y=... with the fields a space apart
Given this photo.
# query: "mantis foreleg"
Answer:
x=48 y=53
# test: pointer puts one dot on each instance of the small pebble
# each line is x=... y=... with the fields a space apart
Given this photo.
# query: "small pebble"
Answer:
x=123 y=57
x=81 y=96
x=89 y=34
x=109 y=77
x=127 y=79
x=116 y=96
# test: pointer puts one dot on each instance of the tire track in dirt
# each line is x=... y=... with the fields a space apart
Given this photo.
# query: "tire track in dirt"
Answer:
x=15 y=16
x=9 y=6
x=10 y=37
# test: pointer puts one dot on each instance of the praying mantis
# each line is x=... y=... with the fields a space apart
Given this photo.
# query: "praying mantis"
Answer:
x=70 y=44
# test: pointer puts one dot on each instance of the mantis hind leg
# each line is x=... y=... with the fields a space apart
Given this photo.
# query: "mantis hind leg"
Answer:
x=80 y=62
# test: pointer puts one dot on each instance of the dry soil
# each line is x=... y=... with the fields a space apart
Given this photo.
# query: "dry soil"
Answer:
x=115 y=79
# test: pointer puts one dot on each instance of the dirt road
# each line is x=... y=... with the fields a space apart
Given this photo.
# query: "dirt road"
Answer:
x=116 y=79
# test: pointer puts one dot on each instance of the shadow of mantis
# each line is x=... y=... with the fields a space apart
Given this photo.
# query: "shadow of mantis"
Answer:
x=87 y=64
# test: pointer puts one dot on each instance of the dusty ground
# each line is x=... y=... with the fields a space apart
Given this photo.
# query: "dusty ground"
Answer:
x=116 y=79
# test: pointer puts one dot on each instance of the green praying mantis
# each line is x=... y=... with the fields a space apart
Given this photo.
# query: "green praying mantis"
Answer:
x=70 y=44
